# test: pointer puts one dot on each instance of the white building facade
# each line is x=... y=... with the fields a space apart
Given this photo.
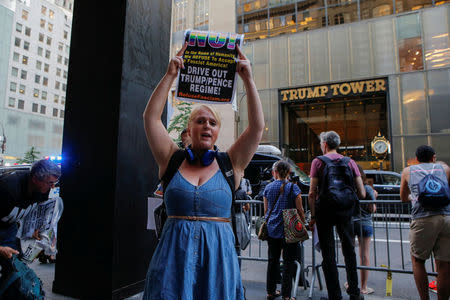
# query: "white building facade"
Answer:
x=36 y=82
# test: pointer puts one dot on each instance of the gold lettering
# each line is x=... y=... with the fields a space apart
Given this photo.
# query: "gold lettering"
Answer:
x=302 y=93
x=335 y=87
x=313 y=93
x=344 y=89
x=323 y=90
x=293 y=95
x=369 y=86
x=284 y=94
x=379 y=85
x=357 y=87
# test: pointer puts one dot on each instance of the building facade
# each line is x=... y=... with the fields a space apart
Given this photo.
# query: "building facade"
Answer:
x=33 y=103
x=207 y=15
x=357 y=67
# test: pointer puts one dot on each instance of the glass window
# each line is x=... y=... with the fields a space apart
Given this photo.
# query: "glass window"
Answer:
x=16 y=56
x=25 y=60
x=27 y=31
x=383 y=46
x=24 y=15
x=436 y=37
x=22 y=89
x=441 y=144
x=55 y=112
x=19 y=27
x=14 y=72
x=39 y=51
x=65 y=34
x=58 y=72
x=343 y=12
x=394 y=104
x=372 y=9
x=11 y=102
x=26 y=45
x=64 y=87
x=50 y=27
x=411 y=144
x=278 y=62
x=34 y=107
x=13 y=86
x=66 y=61
x=23 y=74
x=439 y=95
x=44 y=95
x=37 y=78
x=20 y=104
x=65 y=74
x=36 y=93
x=49 y=41
x=47 y=54
x=63 y=100
x=413 y=103
x=56 y=98
x=319 y=60
x=43 y=10
x=51 y=14
x=45 y=81
x=360 y=43
x=61 y=113
x=46 y=67
x=42 y=23
x=409 y=43
x=41 y=37
x=60 y=59
x=390 y=179
x=43 y=108
x=57 y=85
x=60 y=46
x=17 y=42
x=339 y=53
x=38 y=65
x=405 y=5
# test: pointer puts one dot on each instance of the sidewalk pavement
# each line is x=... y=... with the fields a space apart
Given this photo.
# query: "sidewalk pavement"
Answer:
x=252 y=274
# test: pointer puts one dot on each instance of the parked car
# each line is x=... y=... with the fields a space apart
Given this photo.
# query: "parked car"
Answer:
x=385 y=182
x=9 y=169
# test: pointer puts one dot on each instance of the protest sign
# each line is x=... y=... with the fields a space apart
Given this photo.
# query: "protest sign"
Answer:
x=209 y=73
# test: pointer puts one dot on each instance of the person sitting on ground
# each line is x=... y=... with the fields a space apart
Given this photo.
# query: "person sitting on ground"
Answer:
x=196 y=257
x=430 y=227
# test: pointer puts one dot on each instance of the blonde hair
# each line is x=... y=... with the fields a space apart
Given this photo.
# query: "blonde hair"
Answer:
x=197 y=110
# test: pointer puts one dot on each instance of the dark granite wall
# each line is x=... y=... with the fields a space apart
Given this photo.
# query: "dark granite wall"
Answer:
x=119 y=51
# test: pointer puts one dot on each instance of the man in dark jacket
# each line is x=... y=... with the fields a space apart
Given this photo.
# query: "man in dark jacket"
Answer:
x=20 y=191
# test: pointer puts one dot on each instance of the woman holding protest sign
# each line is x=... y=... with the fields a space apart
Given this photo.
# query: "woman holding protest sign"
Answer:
x=195 y=258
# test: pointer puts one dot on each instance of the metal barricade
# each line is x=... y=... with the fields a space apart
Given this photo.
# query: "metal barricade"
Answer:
x=389 y=243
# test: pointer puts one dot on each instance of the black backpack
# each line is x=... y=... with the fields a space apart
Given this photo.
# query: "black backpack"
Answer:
x=337 y=187
x=174 y=163
x=433 y=193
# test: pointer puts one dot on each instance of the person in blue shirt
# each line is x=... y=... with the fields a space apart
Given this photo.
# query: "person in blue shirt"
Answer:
x=278 y=195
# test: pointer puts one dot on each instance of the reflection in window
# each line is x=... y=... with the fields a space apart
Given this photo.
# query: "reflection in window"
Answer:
x=14 y=72
x=37 y=78
x=42 y=23
x=413 y=100
x=409 y=43
x=22 y=89
x=20 y=104
x=43 y=108
x=34 y=107
x=436 y=39
x=45 y=81
x=27 y=31
x=24 y=15
x=16 y=56
x=382 y=10
x=408 y=5
x=13 y=86
x=11 y=102
x=23 y=74
x=25 y=60
x=36 y=93
x=439 y=95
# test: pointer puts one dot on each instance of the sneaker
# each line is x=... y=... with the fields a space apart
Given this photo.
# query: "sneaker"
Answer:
x=433 y=287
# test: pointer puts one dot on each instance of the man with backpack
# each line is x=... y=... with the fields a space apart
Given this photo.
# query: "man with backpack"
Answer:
x=426 y=185
x=335 y=187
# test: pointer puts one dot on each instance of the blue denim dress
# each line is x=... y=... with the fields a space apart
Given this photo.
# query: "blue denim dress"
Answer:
x=195 y=259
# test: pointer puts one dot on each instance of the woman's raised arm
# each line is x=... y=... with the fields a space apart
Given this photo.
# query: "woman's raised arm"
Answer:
x=241 y=152
x=161 y=144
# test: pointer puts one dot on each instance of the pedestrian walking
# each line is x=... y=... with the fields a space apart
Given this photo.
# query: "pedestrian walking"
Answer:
x=426 y=185
x=195 y=257
x=334 y=189
x=279 y=195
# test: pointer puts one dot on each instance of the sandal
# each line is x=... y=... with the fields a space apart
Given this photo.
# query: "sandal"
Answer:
x=272 y=297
